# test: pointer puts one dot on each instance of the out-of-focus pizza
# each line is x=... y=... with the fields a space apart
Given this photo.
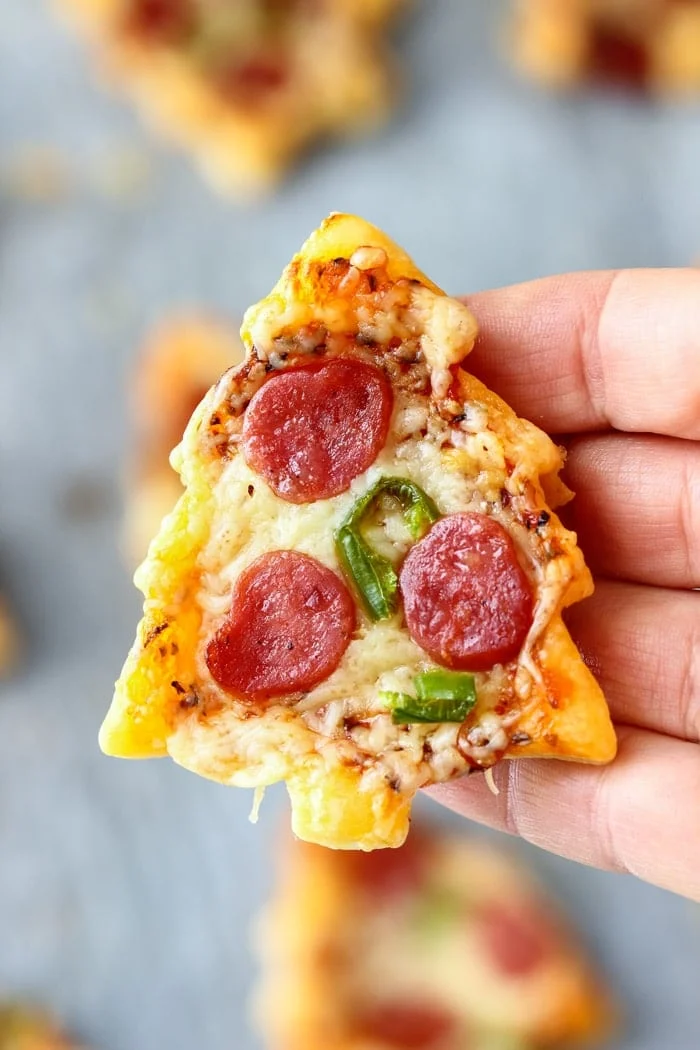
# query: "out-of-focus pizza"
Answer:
x=646 y=43
x=182 y=359
x=25 y=1028
x=360 y=590
x=9 y=640
x=444 y=944
x=246 y=84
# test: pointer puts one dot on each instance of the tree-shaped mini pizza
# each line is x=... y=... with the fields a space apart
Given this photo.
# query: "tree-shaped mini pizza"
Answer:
x=360 y=591
x=445 y=944
x=245 y=85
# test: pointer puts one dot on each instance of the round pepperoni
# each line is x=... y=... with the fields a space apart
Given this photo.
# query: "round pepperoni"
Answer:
x=310 y=430
x=291 y=621
x=518 y=942
x=407 y=1025
x=467 y=601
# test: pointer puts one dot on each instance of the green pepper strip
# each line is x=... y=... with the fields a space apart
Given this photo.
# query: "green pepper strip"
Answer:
x=372 y=574
x=442 y=696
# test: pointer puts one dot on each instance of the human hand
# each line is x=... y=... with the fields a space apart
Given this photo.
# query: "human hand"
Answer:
x=611 y=362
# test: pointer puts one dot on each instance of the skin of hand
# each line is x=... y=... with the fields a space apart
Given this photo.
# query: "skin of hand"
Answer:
x=609 y=364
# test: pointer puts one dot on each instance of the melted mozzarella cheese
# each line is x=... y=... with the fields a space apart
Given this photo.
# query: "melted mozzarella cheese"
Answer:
x=345 y=717
x=254 y=521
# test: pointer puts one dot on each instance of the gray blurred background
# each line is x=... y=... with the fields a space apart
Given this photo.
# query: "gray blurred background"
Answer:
x=126 y=890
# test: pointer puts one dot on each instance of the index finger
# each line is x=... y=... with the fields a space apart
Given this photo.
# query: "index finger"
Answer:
x=589 y=351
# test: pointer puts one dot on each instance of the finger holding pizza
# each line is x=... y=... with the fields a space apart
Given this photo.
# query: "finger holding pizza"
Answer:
x=361 y=590
x=612 y=361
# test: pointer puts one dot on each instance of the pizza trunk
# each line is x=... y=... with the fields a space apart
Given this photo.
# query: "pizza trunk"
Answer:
x=360 y=591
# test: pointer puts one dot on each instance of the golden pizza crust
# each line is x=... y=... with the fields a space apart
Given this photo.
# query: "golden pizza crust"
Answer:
x=156 y=708
x=344 y=83
x=308 y=934
x=324 y=800
x=181 y=360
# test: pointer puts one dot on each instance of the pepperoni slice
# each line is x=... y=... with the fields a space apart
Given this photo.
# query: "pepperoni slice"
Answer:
x=291 y=621
x=385 y=873
x=407 y=1025
x=255 y=80
x=617 y=58
x=310 y=430
x=518 y=942
x=160 y=19
x=466 y=599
